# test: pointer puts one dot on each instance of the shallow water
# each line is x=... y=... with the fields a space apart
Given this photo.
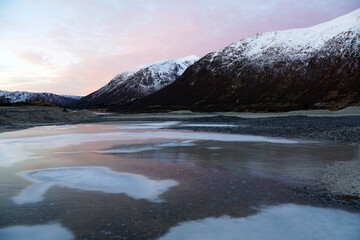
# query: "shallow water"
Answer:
x=140 y=181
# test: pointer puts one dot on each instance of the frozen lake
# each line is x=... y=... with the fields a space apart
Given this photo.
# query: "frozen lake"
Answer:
x=143 y=181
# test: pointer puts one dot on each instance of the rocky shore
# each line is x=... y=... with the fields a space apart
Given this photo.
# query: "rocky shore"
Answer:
x=15 y=118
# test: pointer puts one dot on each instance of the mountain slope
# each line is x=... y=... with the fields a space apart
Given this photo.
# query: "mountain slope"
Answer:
x=27 y=97
x=316 y=67
x=137 y=83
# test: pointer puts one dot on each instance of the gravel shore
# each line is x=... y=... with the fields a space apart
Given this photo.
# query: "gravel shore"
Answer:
x=342 y=177
x=16 y=118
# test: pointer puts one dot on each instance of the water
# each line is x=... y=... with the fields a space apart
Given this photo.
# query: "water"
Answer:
x=141 y=181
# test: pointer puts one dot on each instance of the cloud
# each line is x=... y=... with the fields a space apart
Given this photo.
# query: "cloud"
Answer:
x=85 y=43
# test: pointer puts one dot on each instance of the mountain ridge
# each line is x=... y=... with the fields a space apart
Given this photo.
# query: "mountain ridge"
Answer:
x=271 y=72
x=137 y=83
x=10 y=97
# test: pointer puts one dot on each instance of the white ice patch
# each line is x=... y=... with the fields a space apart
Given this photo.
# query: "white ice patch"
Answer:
x=147 y=125
x=61 y=127
x=16 y=150
x=214 y=148
x=207 y=125
x=39 y=232
x=223 y=137
x=152 y=147
x=91 y=179
x=283 y=222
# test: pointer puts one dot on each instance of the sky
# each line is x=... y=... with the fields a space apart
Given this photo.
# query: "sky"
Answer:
x=77 y=46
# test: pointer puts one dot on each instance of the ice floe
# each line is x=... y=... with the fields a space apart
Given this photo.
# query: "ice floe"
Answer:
x=283 y=222
x=91 y=179
x=39 y=232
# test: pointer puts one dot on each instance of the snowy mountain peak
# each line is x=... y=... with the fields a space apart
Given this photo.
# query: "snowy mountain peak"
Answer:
x=305 y=68
x=26 y=97
x=297 y=43
x=139 y=82
x=164 y=66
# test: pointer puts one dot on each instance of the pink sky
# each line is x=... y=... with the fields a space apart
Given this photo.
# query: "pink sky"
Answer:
x=77 y=46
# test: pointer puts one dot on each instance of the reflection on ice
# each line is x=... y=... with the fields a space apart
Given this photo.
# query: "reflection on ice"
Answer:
x=39 y=232
x=148 y=125
x=16 y=150
x=186 y=143
x=287 y=221
x=91 y=179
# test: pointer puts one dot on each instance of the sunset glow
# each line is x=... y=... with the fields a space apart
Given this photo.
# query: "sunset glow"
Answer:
x=75 y=47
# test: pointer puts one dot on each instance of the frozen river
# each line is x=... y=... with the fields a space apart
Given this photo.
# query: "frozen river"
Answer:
x=143 y=181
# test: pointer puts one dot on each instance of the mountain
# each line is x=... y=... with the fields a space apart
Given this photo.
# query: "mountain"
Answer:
x=137 y=83
x=7 y=97
x=307 y=68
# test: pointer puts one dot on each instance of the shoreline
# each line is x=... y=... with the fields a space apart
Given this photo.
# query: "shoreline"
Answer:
x=338 y=182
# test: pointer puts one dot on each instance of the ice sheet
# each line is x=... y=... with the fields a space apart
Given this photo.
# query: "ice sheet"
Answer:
x=283 y=222
x=16 y=150
x=39 y=232
x=91 y=179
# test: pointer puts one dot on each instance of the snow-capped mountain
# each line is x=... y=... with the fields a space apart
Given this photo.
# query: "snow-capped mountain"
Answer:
x=137 y=83
x=316 y=67
x=27 y=97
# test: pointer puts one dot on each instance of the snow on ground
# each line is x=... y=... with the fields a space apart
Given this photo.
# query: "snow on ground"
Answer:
x=39 y=232
x=283 y=222
x=15 y=150
x=91 y=179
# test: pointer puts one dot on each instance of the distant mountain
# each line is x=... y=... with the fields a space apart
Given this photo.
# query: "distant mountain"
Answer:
x=308 y=68
x=137 y=83
x=28 y=97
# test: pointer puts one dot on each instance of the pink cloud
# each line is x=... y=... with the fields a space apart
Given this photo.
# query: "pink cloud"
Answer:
x=107 y=38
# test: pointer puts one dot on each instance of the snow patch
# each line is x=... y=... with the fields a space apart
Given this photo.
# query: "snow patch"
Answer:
x=283 y=222
x=91 y=179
